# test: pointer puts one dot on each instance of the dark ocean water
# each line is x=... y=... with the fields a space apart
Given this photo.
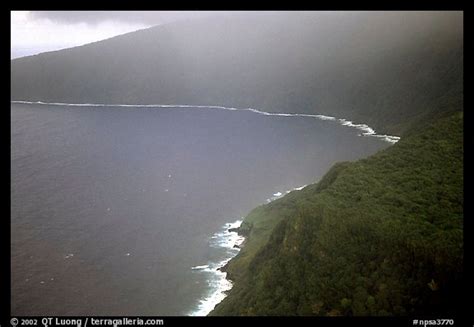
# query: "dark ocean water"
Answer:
x=111 y=207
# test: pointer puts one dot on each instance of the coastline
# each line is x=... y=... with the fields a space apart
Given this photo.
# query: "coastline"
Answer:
x=256 y=276
x=226 y=239
x=363 y=128
x=231 y=239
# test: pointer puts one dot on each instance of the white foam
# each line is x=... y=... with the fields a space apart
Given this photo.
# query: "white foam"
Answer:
x=366 y=130
x=227 y=240
x=280 y=194
x=299 y=188
x=218 y=282
x=220 y=285
x=323 y=117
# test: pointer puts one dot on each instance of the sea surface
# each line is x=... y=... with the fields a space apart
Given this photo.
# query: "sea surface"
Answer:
x=126 y=210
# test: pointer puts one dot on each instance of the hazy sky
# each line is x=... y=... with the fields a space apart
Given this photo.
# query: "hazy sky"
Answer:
x=33 y=32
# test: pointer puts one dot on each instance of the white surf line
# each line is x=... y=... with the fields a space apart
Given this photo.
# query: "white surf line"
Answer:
x=364 y=128
x=279 y=195
x=218 y=283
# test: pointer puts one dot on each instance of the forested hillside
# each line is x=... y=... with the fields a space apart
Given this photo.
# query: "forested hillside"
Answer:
x=380 y=68
x=380 y=236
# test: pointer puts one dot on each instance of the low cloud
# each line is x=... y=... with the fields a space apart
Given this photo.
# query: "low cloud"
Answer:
x=131 y=17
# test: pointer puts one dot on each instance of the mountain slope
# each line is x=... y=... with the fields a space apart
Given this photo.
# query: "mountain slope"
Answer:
x=380 y=236
x=380 y=68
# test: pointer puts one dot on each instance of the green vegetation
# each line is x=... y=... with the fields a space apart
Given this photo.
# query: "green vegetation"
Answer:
x=380 y=236
x=365 y=67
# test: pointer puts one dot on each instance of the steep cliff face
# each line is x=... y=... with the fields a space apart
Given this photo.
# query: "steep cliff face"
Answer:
x=380 y=236
x=383 y=69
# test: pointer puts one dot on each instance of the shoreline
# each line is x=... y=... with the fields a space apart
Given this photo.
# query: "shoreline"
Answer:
x=230 y=238
x=365 y=129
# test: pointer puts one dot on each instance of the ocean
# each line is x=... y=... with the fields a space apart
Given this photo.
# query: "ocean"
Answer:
x=125 y=210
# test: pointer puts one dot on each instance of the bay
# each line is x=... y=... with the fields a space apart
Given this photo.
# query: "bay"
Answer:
x=111 y=207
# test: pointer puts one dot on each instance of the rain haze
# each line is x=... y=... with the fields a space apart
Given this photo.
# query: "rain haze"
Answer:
x=162 y=160
x=33 y=32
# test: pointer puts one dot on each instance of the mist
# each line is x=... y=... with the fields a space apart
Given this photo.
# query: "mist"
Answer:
x=318 y=62
x=150 y=148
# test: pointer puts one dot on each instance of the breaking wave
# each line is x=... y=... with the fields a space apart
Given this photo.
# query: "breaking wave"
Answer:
x=229 y=242
x=365 y=129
